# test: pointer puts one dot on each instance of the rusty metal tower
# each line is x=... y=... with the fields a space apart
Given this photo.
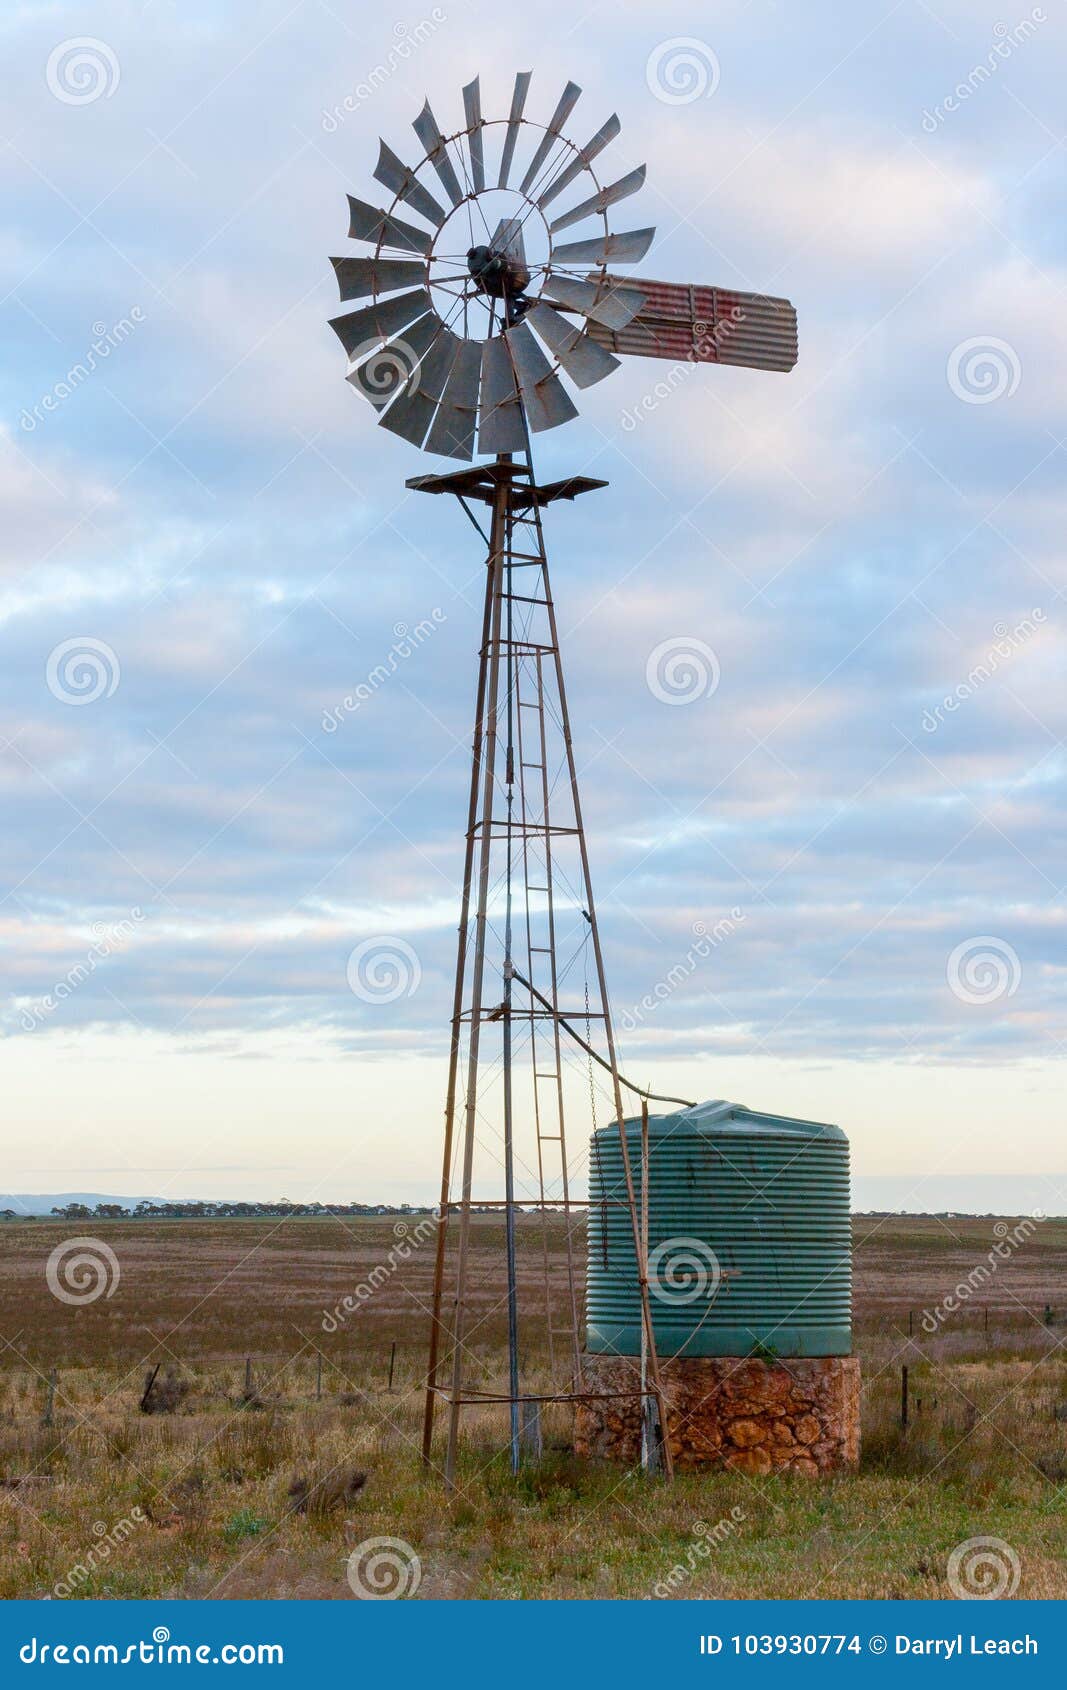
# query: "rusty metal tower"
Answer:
x=474 y=317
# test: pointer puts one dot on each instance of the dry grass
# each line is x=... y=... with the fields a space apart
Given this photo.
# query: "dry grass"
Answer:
x=215 y=1497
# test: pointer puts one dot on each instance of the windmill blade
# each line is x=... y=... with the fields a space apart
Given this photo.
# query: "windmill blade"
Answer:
x=509 y=239
x=567 y=102
x=378 y=321
x=544 y=396
x=367 y=223
x=452 y=433
x=605 y=134
x=613 y=305
x=582 y=357
x=414 y=411
x=627 y=248
x=518 y=105
x=425 y=127
x=707 y=326
x=357 y=277
x=500 y=429
x=620 y=190
x=386 y=372
x=472 y=106
x=395 y=175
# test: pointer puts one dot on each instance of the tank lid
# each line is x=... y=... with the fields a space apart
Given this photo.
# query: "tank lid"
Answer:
x=719 y=1116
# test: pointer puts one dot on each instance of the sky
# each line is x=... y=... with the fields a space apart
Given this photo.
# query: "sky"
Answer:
x=857 y=763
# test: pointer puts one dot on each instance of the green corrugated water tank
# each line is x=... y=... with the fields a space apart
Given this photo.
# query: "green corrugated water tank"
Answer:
x=750 y=1244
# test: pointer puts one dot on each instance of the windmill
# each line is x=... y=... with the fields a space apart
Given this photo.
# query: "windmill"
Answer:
x=478 y=316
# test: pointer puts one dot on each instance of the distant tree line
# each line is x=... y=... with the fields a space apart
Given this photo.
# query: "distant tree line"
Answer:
x=283 y=1209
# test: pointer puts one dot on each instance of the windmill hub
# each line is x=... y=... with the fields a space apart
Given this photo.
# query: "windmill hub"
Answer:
x=497 y=273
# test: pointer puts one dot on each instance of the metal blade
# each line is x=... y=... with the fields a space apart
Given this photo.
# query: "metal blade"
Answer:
x=581 y=357
x=605 y=134
x=626 y=248
x=394 y=174
x=452 y=433
x=518 y=103
x=357 y=277
x=620 y=190
x=543 y=394
x=501 y=427
x=380 y=320
x=425 y=127
x=388 y=371
x=472 y=106
x=414 y=410
x=612 y=305
x=568 y=100
x=707 y=326
x=367 y=223
x=509 y=239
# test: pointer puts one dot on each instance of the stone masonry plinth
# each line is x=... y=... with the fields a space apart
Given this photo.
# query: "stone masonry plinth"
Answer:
x=797 y=1415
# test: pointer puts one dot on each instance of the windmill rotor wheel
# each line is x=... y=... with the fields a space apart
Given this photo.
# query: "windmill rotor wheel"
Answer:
x=477 y=311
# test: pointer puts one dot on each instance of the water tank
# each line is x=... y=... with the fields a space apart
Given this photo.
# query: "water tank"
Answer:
x=750 y=1245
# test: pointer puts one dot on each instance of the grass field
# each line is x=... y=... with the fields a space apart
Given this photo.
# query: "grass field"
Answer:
x=109 y=1501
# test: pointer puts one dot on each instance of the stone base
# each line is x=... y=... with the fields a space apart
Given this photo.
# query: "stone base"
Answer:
x=795 y=1415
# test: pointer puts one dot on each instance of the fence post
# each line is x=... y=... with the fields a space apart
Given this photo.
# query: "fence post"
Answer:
x=904 y=1397
x=50 y=1400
